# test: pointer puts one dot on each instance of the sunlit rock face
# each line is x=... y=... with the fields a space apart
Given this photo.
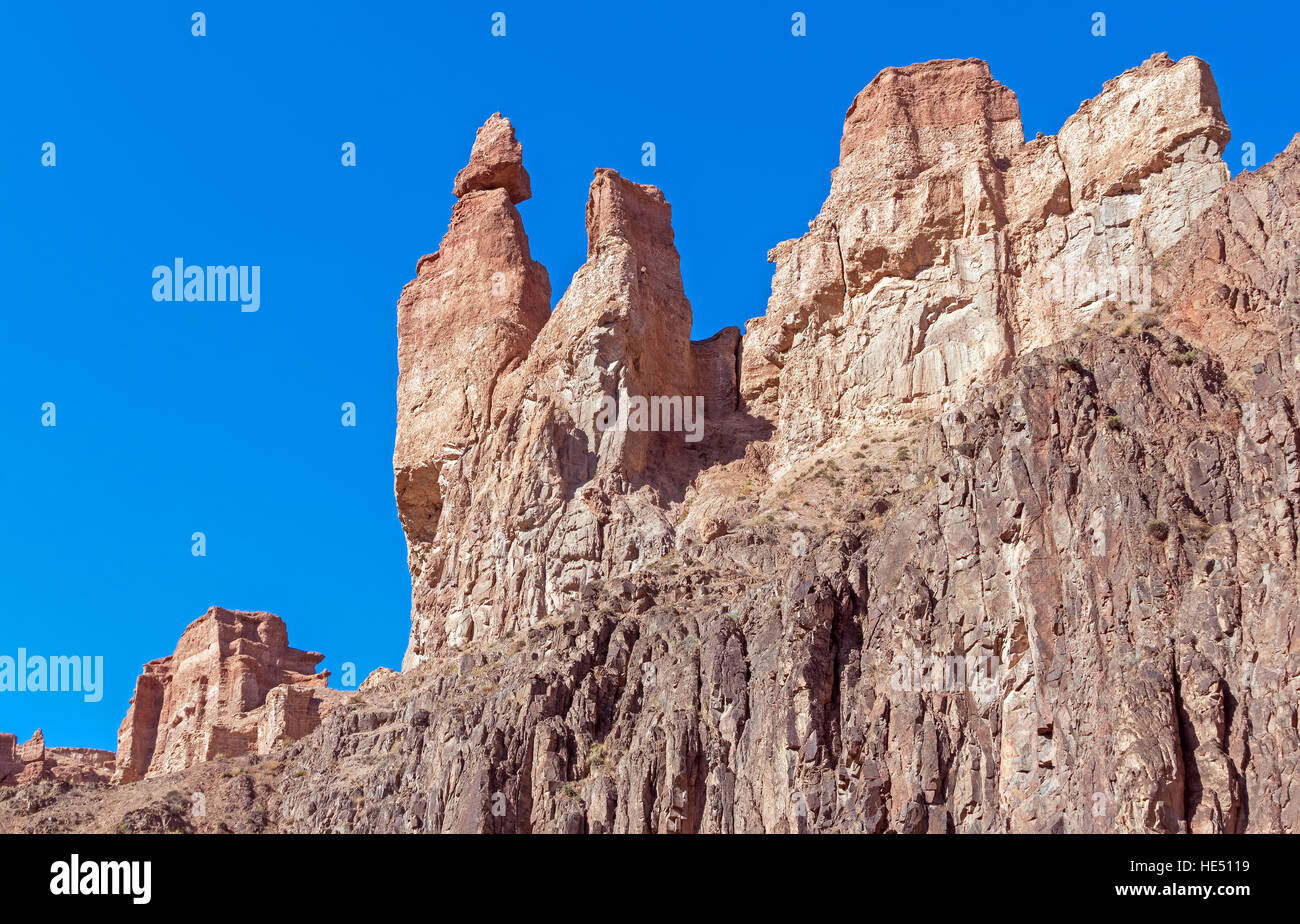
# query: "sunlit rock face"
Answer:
x=948 y=246
x=989 y=527
x=232 y=687
x=512 y=490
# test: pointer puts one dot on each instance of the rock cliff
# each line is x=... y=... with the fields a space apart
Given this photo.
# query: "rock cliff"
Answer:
x=511 y=492
x=987 y=530
x=988 y=523
x=232 y=687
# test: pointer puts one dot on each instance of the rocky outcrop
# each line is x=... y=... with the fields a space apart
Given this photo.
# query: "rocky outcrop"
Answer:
x=948 y=246
x=32 y=761
x=512 y=487
x=990 y=525
x=232 y=687
x=959 y=550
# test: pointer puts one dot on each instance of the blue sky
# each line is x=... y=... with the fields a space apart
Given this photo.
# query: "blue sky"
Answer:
x=181 y=417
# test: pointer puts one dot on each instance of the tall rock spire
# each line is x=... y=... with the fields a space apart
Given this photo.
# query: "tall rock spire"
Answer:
x=468 y=317
x=513 y=484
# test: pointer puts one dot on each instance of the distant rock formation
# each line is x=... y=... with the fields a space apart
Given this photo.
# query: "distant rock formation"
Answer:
x=233 y=687
x=32 y=761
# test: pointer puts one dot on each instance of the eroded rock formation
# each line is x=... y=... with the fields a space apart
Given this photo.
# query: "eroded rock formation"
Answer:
x=984 y=424
x=232 y=687
x=948 y=246
x=32 y=761
x=510 y=493
x=991 y=524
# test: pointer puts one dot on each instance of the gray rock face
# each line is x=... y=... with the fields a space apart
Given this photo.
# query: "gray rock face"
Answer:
x=1072 y=611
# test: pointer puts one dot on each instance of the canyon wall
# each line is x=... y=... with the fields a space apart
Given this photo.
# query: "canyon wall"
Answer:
x=991 y=527
x=946 y=248
x=989 y=524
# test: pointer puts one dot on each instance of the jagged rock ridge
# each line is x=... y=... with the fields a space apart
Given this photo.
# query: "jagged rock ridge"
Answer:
x=947 y=247
x=1065 y=496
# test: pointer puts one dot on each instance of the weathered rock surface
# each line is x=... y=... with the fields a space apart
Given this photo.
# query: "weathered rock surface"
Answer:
x=32 y=761
x=1062 y=510
x=948 y=246
x=511 y=495
x=495 y=162
x=991 y=525
x=232 y=687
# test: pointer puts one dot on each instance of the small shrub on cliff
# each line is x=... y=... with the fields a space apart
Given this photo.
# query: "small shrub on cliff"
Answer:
x=598 y=754
x=902 y=455
x=1123 y=328
x=966 y=449
x=1070 y=364
x=1186 y=358
x=1198 y=527
x=1114 y=424
x=1158 y=530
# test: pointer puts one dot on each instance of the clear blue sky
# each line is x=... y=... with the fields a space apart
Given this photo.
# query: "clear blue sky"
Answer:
x=181 y=417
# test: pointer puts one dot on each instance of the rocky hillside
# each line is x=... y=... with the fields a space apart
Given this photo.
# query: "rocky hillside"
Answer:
x=988 y=523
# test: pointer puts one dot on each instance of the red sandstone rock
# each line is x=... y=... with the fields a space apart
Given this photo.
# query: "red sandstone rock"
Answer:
x=495 y=162
x=32 y=761
x=233 y=687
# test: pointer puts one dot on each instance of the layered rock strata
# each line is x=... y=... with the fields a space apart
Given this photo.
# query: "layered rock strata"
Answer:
x=32 y=761
x=232 y=687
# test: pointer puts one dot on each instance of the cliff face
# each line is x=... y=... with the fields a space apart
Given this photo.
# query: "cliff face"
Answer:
x=232 y=687
x=988 y=528
x=948 y=247
x=989 y=523
x=511 y=491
